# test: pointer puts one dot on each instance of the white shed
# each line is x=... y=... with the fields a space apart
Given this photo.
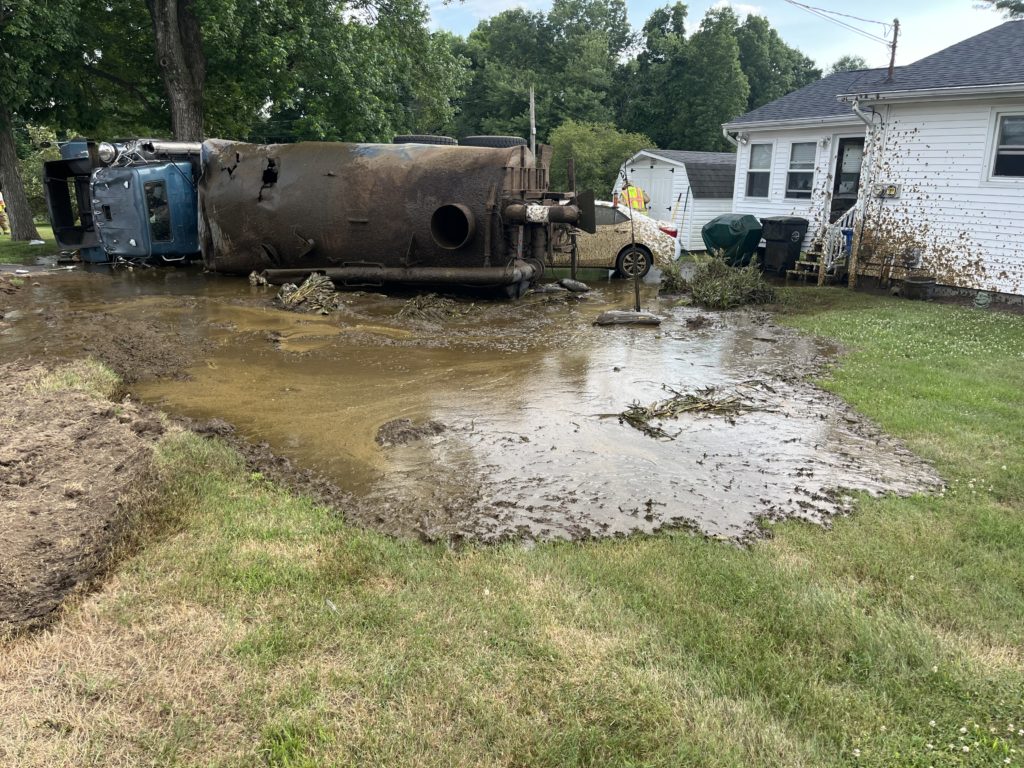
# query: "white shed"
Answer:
x=687 y=188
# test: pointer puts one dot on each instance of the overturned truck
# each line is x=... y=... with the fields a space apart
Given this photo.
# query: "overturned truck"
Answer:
x=378 y=215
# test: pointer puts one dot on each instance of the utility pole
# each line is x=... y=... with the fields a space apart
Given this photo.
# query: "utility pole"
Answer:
x=892 y=48
x=533 y=124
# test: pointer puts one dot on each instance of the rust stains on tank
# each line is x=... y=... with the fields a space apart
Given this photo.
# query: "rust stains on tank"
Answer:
x=373 y=213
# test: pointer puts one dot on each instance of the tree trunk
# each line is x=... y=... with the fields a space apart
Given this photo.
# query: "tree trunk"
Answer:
x=19 y=214
x=179 y=54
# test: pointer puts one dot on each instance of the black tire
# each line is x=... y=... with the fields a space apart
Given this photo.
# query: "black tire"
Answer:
x=415 y=138
x=498 y=142
x=629 y=258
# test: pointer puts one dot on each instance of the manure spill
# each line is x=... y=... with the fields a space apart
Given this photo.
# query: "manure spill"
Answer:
x=446 y=418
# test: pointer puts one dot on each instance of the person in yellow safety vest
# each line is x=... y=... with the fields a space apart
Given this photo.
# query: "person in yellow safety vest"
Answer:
x=635 y=198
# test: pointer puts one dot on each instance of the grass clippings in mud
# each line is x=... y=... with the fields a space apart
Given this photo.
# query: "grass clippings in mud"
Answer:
x=316 y=294
x=742 y=398
x=432 y=308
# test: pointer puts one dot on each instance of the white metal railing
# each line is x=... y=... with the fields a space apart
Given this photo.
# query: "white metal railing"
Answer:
x=833 y=245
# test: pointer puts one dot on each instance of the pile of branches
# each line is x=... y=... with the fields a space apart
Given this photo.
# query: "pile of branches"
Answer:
x=429 y=307
x=743 y=398
x=316 y=294
x=716 y=285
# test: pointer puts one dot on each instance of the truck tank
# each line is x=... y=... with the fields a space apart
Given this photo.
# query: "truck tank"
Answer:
x=380 y=214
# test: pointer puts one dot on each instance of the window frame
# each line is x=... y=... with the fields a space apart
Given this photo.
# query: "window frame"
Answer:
x=150 y=212
x=988 y=177
x=768 y=171
x=996 y=135
x=790 y=193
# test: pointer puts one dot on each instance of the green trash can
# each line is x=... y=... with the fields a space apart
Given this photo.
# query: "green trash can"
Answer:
x=736 y=235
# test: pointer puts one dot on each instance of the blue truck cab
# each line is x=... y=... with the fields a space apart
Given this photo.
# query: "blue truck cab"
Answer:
x=132 y=201
x=146 y=212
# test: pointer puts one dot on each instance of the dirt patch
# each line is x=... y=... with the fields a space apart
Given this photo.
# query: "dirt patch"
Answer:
x=10 y=283
x=137 y=351
x=72 y=468
x=402 y=431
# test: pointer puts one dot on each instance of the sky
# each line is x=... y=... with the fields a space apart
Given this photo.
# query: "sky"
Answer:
x=926 y=26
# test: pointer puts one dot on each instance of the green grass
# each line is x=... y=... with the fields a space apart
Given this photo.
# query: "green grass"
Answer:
x=265 y=631
x=20 y=252
x=88 y=375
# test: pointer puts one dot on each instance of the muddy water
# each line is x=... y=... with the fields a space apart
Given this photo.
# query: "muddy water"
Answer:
x=528 y=394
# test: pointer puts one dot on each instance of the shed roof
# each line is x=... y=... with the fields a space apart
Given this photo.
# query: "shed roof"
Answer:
x=685 y=157
x=710 y=173
x=711 y=180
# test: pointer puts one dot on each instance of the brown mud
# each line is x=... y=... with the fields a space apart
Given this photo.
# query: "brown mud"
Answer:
x=72 y=472
x=528 y=392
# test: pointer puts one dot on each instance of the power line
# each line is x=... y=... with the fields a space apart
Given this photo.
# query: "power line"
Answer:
x=848 y=16
x=823 y=14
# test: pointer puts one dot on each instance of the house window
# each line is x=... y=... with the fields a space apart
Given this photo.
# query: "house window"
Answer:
x=1010 y=147
x=759 y=170
x=801 y=170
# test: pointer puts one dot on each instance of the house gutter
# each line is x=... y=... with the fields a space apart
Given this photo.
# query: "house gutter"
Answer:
x=729 y=137
x=803 y=122
x=921 y=94
x=864 y=116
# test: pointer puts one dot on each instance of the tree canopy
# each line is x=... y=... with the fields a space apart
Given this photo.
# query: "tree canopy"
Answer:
x=848 y=63
x=365 y=70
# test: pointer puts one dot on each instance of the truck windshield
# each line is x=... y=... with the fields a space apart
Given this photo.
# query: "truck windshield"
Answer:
x=159 y=211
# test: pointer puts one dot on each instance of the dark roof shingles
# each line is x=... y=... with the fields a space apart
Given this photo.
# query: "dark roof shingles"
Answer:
x=990 y=58
x=817 y=100
x=711 y=180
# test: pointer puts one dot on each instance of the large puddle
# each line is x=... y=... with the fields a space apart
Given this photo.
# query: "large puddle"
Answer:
x=528 y=394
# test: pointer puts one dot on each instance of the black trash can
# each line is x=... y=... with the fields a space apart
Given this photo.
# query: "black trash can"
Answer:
x=783 y=236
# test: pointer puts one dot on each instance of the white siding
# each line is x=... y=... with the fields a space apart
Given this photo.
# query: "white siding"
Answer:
x=815 y=209
x=699 y=213
x=968 y=227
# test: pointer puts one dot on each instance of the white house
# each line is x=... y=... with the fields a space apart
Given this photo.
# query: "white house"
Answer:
x=687 y=188
x=927 y=167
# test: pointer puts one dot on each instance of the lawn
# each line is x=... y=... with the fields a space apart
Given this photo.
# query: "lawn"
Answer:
x=260 y=629
x=20 y=252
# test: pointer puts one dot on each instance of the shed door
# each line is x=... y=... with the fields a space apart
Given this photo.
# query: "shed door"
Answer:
x=657 y=183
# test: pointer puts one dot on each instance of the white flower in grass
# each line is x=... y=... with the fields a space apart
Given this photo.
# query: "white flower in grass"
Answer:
x=963 y=729
x=883 y=729
x=934 y=669
x=856 y=753
x=929 y=745
x=931 y=723
x=965 y=748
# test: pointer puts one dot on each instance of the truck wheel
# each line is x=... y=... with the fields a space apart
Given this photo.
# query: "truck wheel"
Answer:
x=498 y=142
x=415 y=138
x=632 y=261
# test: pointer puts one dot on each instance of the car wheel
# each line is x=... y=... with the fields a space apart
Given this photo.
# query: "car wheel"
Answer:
x=498 y=142
x=633 y=262
x=414 y=138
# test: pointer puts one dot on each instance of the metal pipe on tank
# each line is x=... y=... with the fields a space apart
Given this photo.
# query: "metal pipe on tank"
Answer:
x=172 y=147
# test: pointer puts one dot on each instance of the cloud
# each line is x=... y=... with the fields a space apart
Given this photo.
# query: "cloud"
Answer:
x=742 y=9
x=462 y=15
